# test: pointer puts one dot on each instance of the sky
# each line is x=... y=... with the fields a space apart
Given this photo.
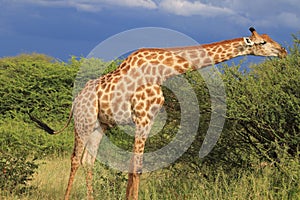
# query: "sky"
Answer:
x=65 y=28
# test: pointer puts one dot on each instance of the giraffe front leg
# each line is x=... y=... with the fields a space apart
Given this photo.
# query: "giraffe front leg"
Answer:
x=136 y=164
x=147 y=102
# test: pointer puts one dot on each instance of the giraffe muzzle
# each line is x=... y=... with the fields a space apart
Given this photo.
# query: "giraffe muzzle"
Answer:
x=283 y=53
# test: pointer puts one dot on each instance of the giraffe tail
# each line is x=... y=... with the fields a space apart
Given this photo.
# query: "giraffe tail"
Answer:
x=46 y=128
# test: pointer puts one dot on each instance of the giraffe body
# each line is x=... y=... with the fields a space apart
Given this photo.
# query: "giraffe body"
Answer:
x=132 y=95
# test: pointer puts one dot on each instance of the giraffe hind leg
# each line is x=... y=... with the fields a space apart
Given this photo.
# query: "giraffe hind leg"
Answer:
x=89 y=157
x=88 y=162
x=75 y=163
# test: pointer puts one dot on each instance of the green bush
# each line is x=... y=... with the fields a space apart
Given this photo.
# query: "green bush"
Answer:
x=29 y=83
x=36 y=83
x=263 y=112
x=16 y=165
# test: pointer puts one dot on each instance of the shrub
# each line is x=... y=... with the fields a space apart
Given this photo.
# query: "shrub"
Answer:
x=36 y=82
x=263 y=112
x=16 y=165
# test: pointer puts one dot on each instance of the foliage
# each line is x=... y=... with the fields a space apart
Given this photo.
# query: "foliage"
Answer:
x=263 y=111
x=27 y=84
x=43 y=86
x=16 y=165
x=36 y=83
x=16 y=172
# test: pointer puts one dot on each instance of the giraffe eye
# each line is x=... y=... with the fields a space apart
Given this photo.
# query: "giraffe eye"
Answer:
x=263 y=43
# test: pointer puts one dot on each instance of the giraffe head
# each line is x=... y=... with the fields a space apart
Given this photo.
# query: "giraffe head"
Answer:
x=263 y=45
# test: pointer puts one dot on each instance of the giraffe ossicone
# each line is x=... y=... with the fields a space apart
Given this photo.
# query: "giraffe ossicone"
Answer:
x=132 y=94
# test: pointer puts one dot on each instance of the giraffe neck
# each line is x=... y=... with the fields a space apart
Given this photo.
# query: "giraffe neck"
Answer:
x=214 y=53
x=156 y=65
x=226 y=50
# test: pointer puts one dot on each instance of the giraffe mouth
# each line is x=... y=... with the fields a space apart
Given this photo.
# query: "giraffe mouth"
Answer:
x=282 y=53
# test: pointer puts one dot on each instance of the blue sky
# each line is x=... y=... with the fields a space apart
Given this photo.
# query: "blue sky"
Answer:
x=62 y=28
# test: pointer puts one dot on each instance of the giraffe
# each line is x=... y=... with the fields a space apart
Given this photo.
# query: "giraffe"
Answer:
x=132 y=94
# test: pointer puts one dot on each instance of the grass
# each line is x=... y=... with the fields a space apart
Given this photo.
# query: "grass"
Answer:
x=50 y=181
x=177 y=182
x=263 y=183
